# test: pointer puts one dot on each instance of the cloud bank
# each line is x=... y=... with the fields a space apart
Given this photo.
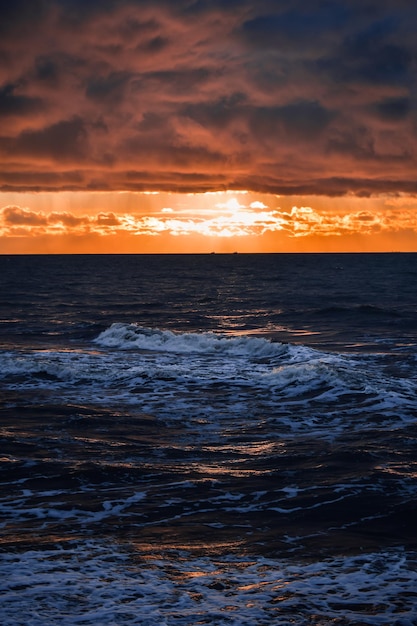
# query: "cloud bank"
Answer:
x=226 y=220
x=300 y=97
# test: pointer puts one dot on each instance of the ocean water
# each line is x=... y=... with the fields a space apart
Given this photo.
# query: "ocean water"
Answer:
x=208 y=439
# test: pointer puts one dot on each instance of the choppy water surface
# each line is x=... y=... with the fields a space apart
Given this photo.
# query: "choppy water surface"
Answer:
x=221 y=439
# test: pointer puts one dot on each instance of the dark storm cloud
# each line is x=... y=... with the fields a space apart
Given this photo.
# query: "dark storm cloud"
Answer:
x=301 y=121
x=13 y=104
x=46 y=70
x=109 y=89
x=20 y=14
x=375 y=56
x=219 y=113
x=62 y=141
x=392 y=109
x=295 y=27
x=275 y=95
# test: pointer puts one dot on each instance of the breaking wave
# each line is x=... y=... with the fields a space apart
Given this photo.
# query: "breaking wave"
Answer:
x=132 y=336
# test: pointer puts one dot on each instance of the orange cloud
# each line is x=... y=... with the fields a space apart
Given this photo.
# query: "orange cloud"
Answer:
x=215 y=217
x=15 y=215
x=197 y=96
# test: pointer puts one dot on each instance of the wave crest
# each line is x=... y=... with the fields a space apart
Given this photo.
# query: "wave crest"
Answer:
x=133 y=336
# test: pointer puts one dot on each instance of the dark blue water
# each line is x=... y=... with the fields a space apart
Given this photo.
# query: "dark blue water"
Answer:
x=208 y=439
x=332 y=299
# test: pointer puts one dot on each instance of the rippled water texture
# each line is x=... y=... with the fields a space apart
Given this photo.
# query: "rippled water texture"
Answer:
x=208 y=440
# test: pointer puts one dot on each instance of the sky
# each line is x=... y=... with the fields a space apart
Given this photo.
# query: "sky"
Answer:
x=208 y=125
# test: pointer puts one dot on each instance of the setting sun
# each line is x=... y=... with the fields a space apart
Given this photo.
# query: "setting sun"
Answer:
x=229 y=221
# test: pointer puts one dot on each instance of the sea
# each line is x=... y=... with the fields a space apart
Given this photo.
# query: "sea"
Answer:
x=213 y=439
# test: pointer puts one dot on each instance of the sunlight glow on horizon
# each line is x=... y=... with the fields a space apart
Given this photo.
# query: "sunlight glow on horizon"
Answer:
x=172 y=222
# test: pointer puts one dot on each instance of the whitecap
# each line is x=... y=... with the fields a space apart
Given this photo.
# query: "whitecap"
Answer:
x=132 y=336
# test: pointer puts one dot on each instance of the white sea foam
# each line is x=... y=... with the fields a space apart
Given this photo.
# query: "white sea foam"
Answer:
x=19 y=508
x=210 y=379
x=131 y=336
x=91 y=583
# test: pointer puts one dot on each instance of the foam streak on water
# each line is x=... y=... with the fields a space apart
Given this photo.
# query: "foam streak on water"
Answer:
x=88 y=583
